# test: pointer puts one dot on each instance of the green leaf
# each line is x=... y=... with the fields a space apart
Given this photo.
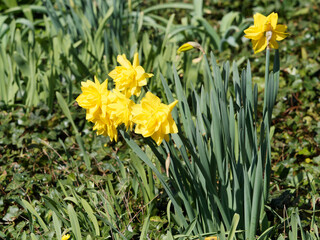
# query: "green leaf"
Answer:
x=12 y=213
x=266 y=233
x=28 y=207
x=234 y=225
x=168 y=5
x=144 y=158
x=33 y=236
x=227 y=21
x=75 y=227
x=216 y=41
x=93 y=219
x=10 y=3
x=66 y=111
x=57 y=225
x=22 y=63
x=145 y=227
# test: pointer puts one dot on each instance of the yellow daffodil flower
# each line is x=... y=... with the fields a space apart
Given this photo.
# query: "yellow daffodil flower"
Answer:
x=103 y=123
x=65 y=237
x=265 y=32
x=90 y=98
x=95 y=99
x=120 y=109
x=106 y=127
x=153 y=118
x=129 y=78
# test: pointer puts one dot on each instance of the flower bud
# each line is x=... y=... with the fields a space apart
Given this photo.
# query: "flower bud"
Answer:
x=188 y=46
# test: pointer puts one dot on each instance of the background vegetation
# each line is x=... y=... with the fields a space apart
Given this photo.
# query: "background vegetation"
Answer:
x=46 y=144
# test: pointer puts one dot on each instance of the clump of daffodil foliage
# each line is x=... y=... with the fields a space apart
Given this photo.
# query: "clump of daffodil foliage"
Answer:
x=109 y=109
x=221 y=168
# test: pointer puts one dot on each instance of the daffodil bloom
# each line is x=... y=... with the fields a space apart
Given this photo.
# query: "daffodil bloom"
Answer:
x=106 y=127
x=265 y=32
x=103 y=123
x=90 y=98
x=129 y=78
x=120 y=109
x=153 y=118
x=65 y=237
x=95 y=99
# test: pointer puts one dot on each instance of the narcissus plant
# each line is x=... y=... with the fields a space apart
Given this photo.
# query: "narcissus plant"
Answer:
x=109 y=109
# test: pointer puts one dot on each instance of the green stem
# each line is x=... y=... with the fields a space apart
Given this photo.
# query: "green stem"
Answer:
x=145 y=88
x=276 y=74
x=266 y=81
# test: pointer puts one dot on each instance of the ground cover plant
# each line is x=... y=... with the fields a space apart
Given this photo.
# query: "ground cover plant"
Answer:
x=57 y=177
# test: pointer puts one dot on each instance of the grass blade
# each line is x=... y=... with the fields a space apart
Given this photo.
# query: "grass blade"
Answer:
x=28 y=207
x=75 y=227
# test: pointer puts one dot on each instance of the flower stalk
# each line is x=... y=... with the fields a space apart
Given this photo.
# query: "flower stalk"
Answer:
x=266 y=79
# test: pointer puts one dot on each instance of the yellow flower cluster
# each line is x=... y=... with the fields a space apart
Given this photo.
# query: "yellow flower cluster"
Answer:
x=110 y=109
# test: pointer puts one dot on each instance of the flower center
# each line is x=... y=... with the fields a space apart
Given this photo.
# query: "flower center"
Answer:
x=268 y=36
x=268 y=26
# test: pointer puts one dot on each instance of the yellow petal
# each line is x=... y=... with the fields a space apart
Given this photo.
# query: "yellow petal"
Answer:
x=273 y=43
x=148 y=75
x=141 y=83
x=152 y=99
x=172 y=105
x=92 y=114
x=172 y=125
x=158 y=137
x=259 y=20
x=140 y=72
x=253 y=33
x=280 y=32
x=273 y=18
x=259 y=45
x=138 y=129
x=113 y=74
x=65 y=237
x=87 y=84
x=81 y=100
x=185 y=47
x=104 y=86
x=96 y=81
x=136 y=60
x=124 y=61
x=165 y=128
x=134 y=91
x=281 y=28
